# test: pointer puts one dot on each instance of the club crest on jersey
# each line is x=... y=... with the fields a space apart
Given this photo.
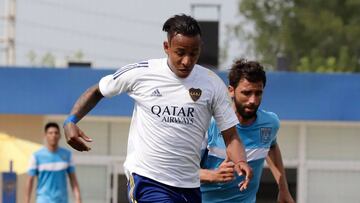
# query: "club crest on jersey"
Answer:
x=195 y=93
x=265 y=134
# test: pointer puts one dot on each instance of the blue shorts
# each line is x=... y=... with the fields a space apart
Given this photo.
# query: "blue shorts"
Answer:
x=142 y=190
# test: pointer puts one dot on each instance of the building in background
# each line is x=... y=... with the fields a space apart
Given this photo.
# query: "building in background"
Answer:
x=108 y=34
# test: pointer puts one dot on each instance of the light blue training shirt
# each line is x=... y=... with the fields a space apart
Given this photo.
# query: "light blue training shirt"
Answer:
x=257 y=139
x=52 y=169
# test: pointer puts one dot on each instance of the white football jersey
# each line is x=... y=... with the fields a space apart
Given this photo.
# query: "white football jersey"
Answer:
x=171 y=116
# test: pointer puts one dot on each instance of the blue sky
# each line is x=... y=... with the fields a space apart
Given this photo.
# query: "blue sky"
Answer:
x=109 y=33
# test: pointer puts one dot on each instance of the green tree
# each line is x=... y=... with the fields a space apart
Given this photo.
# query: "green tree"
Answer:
x=77 y=56
x=320 y=36
x=48 y=60
x=32 y=57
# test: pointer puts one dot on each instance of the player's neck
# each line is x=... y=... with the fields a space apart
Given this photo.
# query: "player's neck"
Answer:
x=245 y=121
x=52 y=148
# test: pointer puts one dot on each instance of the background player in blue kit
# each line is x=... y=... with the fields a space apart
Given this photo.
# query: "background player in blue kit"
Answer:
x=51 y=165
x=174 y=101
x=257 y=129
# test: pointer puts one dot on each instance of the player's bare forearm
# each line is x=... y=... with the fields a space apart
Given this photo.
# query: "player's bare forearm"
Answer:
x=275 y=163
x=276 y=166
x=234 y=148
x=236 y=152
x=75 y=187
x=224 y=173
x=76 y=191
x=87 y=101
x=206 y=176
x=28 y=189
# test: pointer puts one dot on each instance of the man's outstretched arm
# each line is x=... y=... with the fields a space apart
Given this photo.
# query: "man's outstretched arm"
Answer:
x=86 y=102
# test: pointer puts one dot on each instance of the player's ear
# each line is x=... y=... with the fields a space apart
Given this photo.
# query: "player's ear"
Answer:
x=166 y=47
x=231 y=90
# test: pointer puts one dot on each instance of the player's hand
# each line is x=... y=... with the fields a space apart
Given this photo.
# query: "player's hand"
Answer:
x=285 y=197
x=225 y=172
x=242 y=168
x=74 y=137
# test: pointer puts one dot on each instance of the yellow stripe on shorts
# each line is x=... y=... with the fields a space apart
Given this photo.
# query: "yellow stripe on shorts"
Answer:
x=131 y=191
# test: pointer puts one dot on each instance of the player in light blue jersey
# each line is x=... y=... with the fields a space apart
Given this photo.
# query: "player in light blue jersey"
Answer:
x=52 y=164
x=257 y=130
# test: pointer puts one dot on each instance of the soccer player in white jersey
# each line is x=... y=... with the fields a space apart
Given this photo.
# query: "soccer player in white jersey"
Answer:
x=257 y=130
x=174 y=101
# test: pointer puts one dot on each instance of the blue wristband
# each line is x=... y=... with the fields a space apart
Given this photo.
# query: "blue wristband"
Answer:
x=71 y=119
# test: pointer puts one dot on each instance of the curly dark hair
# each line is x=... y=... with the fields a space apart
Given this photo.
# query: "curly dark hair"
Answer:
x=250 y=70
